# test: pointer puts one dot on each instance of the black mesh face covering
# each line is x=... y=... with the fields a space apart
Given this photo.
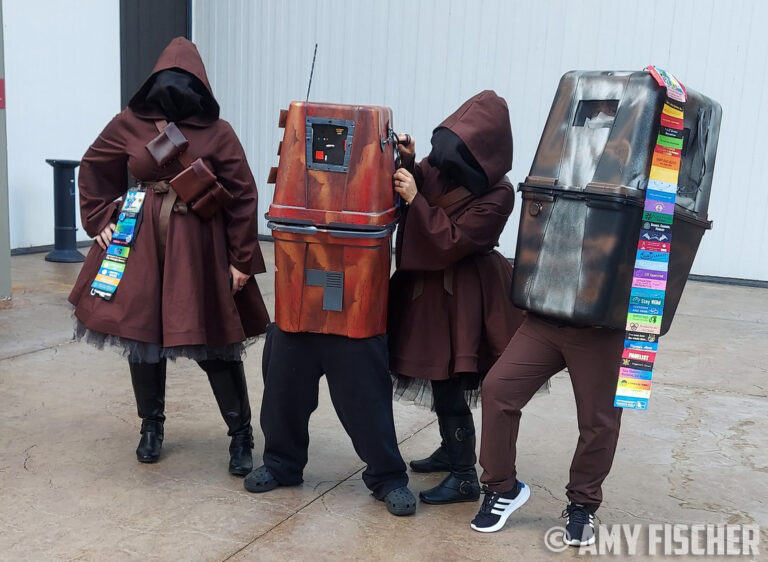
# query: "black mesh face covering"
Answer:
x=452 y=157
x=177 y=95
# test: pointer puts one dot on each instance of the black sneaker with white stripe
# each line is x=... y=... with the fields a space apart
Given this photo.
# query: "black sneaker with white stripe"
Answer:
x=498 y=506
x=580 y=525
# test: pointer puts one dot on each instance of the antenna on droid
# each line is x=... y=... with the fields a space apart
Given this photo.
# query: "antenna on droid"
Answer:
x=312 y=71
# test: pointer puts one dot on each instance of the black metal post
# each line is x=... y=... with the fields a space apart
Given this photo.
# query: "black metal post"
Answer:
x=64 y=248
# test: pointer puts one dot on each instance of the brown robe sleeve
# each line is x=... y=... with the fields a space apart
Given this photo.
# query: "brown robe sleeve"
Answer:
x=432 y=240
x=103 y=178
x=241 y=215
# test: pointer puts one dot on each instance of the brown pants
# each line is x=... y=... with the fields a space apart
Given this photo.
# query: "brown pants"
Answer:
x=538 y=350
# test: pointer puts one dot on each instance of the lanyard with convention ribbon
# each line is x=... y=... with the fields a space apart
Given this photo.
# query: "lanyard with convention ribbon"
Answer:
x=649 y=282
x=112 y=266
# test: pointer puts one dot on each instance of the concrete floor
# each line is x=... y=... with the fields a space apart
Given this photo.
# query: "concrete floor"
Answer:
x=71 y=489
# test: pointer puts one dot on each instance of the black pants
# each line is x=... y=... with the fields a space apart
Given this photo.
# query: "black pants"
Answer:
x=450 y=398
x=361 y=392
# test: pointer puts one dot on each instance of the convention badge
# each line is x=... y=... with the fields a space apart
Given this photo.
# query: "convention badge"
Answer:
x=134 y=200
x=668 y=120
x=636 y=364
x=113 y=265
x=643 y=327
x=101 y=289
x=644 y=359
x=648 y=235
x=650 y=319
x=652 y=255
x=117 y=253
x=652 y=246
x=662 y=174
x=648 y=293
x=657 y=206
x=641 y=345
x=643 y=309
x=672 y=107
x=663 y=196
x=107 y=280
x=104 y=272
x=637 y=303
x=629 y=372
x=666 y=160
x=626 y=391
x=124 y=231
x=672 y=133
x=650 y=338
x=662 y=186
x=642 y=305
x=631 y=403
x=650 y=274
x=631 y=342
x=638 y=385
x=130 y=217
x=105 y=287
x=655 y=226
x=652 y=265
x=660 y=218
x=649 y=280
x=661 y=228
x=669 y=142
x=128 y=224
x=649 y=284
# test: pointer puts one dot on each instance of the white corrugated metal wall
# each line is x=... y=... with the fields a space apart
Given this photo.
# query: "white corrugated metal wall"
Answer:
x=62 y=69
x=424 y=58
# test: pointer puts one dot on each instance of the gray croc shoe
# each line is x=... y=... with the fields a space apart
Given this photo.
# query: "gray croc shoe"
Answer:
x=260 y=480
x=400 y=501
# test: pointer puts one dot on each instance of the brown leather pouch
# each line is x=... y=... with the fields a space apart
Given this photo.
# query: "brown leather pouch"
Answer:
x=210 y=203
x=168 y=145
x=193 y=181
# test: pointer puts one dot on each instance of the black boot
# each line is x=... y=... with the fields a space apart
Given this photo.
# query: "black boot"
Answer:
x=461 y=484
x=148 y=380
x=240 y=457
x=227 y=380
x=436 y=462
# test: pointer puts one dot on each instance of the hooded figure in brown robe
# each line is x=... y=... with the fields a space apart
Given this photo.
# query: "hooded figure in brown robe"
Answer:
x=450 y=314
x=188 y=288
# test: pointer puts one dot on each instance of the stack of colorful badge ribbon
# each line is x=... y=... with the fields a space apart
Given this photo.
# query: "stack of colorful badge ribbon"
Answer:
x=649 y=283
x=113 y=266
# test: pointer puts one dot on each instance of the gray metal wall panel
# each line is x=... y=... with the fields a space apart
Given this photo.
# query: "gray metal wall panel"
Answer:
x=146 y=28
x=423 y=58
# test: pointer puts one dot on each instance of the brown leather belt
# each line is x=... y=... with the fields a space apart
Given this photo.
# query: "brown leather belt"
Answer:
x=418 y=286
x=170 y=204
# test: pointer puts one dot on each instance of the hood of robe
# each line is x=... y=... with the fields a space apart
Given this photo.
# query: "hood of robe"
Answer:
x=475 y=142
x=178 y=88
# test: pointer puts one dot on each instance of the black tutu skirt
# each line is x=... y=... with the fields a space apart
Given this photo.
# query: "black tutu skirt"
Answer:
x=409 y=390
x=142 y=352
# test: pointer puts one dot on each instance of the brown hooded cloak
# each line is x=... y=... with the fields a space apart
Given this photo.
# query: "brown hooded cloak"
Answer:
x=186 y=300
x=450 y=310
